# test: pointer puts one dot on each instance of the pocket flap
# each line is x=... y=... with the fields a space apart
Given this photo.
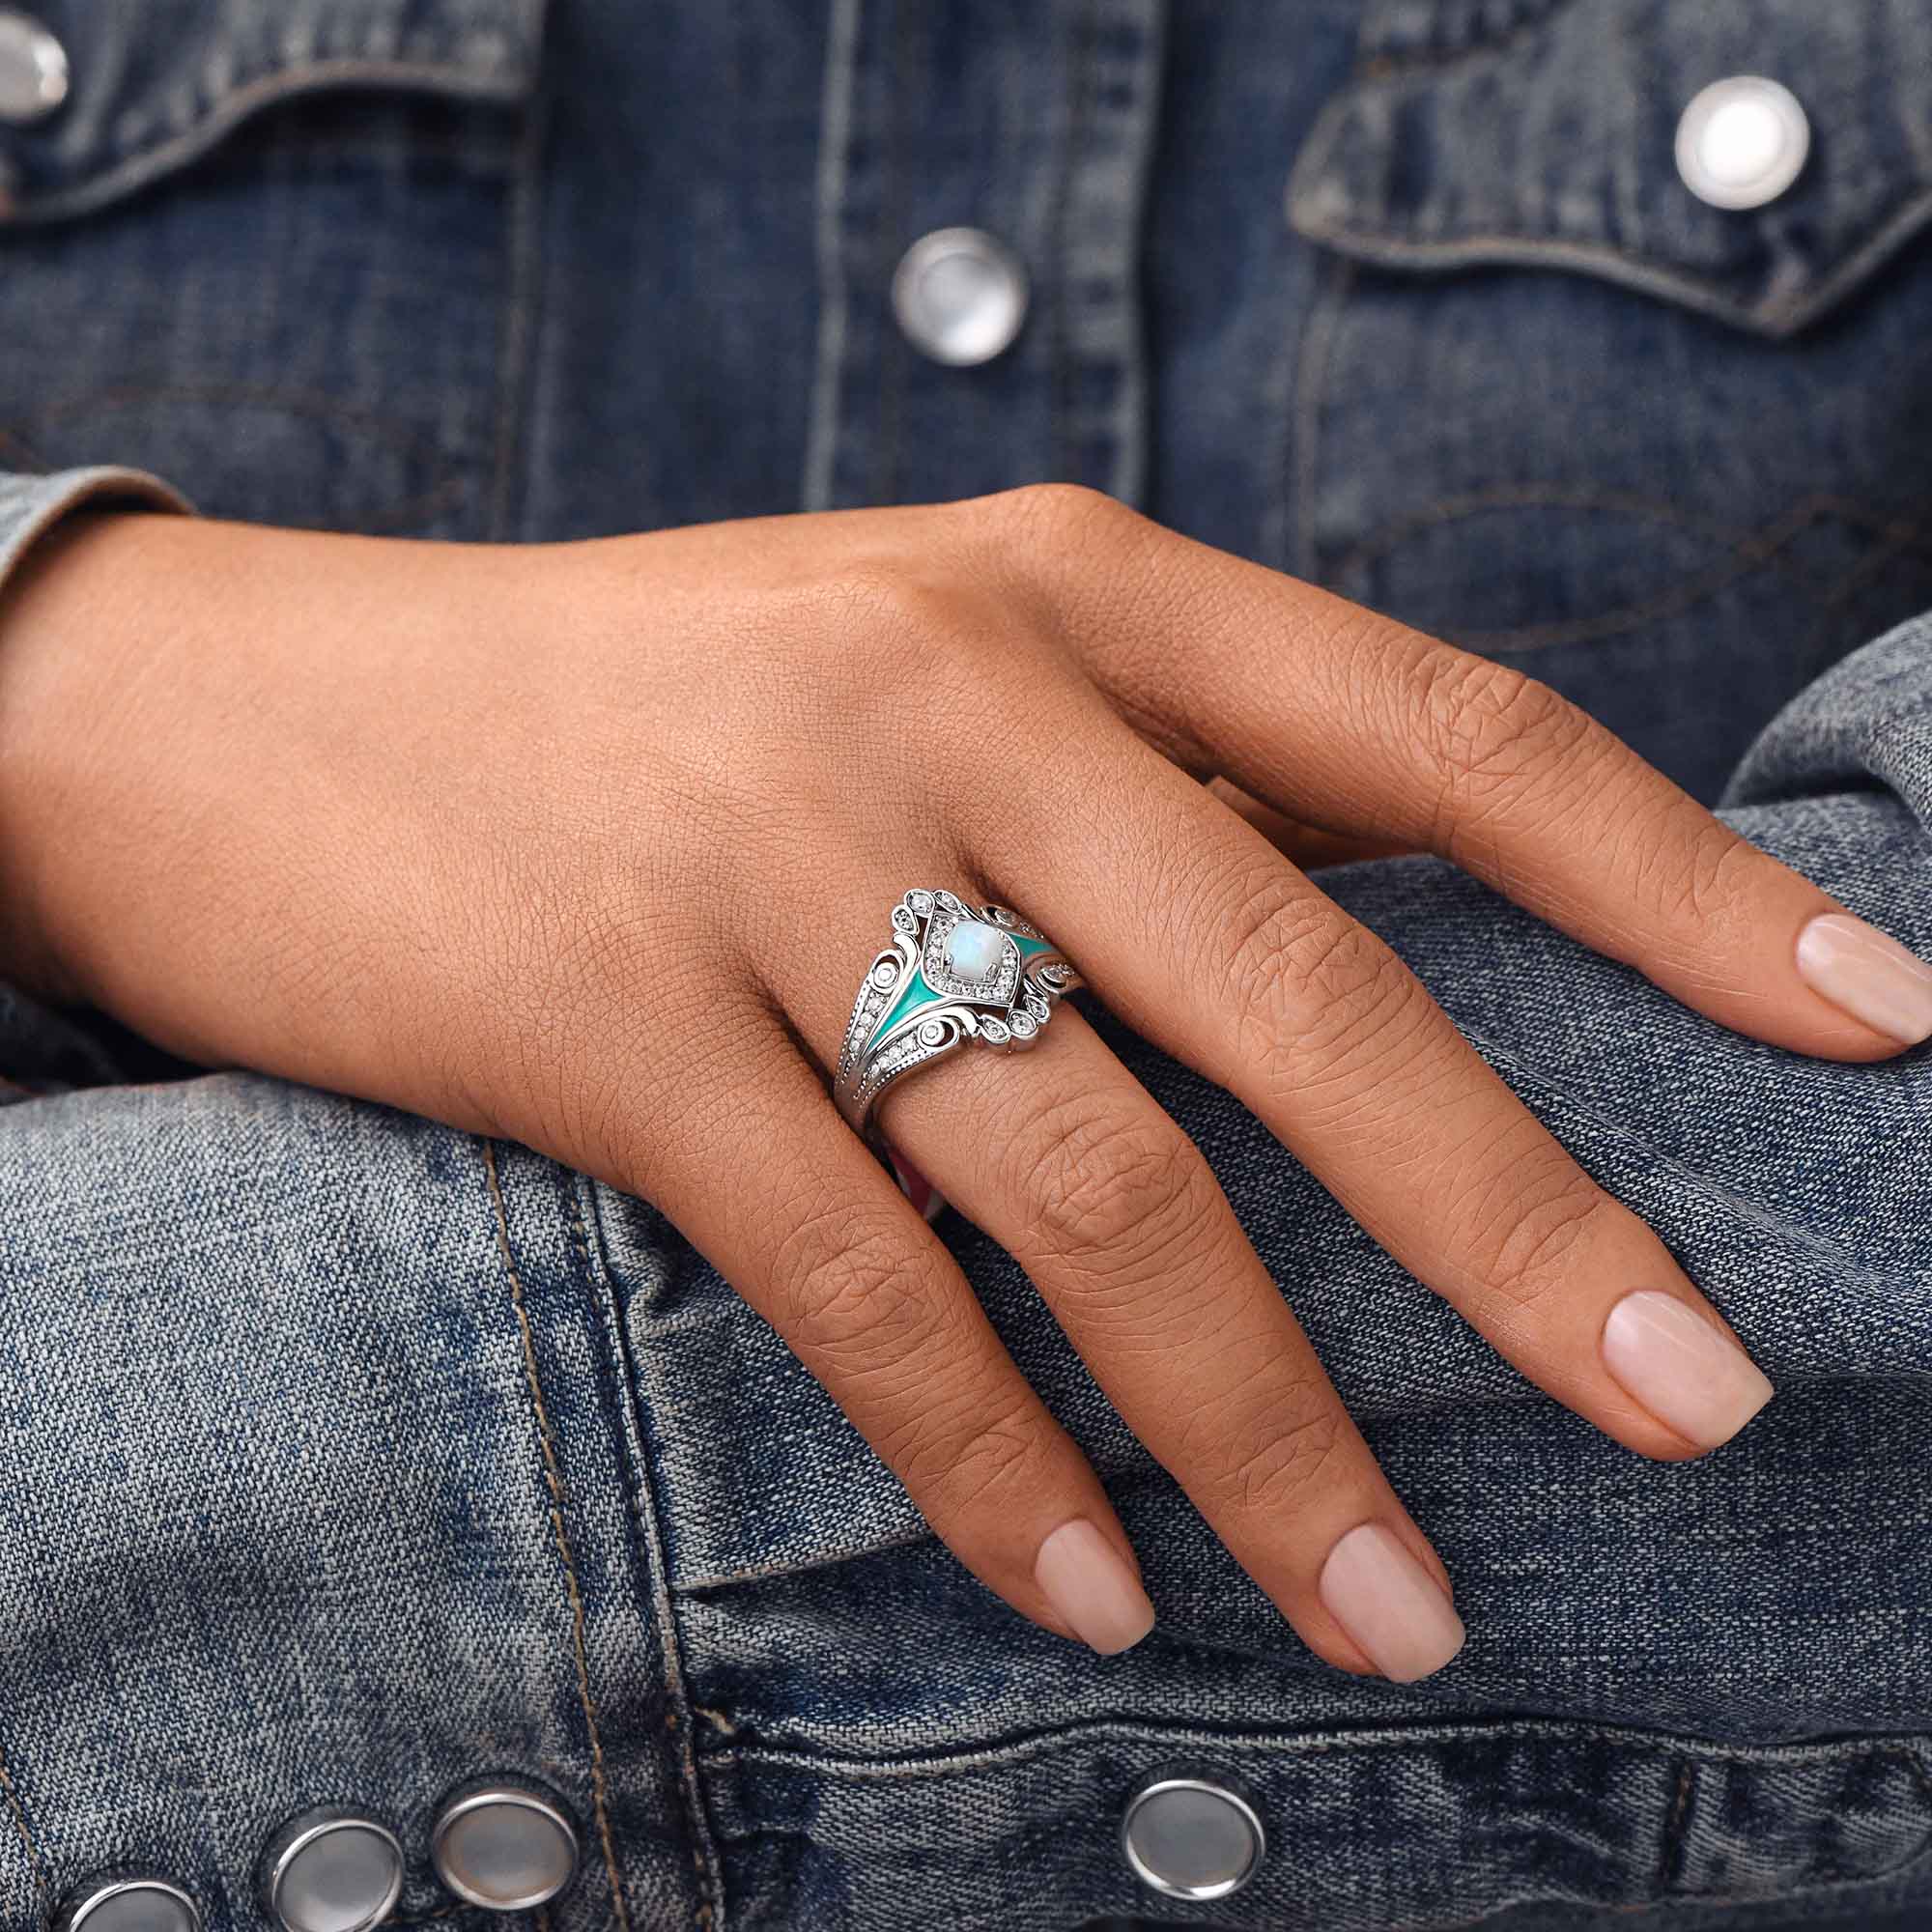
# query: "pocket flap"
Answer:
x=1542 y=134
x=153 y=83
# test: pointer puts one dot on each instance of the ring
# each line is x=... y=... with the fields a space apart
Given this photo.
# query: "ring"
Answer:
x=952 y=973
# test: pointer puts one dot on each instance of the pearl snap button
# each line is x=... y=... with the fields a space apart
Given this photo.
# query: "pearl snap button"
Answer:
x=127 y=1899
x=960 y=296
x=1190 y=1834
x=33 y=69
x=1742 y=142
x=505 y=1844
x=331 y=1869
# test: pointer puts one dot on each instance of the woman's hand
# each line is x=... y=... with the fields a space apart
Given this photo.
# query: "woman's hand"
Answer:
x=588 y=845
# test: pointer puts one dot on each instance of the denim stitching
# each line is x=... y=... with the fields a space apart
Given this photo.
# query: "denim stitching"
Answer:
x=403 y=439
x=1670 y=1855
x=1751 y=551
x=1072 y=128
x=559 y=1498
x=515 y=352
x=1382 y=538
x=1323 y=1744
x=1380 y=65
x=835 y=135
x=122 y=177
x=25 y=1831
x=1314 y=360
x=643 y=1508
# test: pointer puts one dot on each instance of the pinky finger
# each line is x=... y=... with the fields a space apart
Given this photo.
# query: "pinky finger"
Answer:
x=822 y=1243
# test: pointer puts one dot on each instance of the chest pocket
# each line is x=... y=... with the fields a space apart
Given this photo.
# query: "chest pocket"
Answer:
x=270 y=252
x=1574 y=412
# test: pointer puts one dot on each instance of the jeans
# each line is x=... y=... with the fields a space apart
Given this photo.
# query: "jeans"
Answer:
x=348 y=1457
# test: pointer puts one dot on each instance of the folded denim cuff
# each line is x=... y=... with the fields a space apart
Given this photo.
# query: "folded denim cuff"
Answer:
x=31 y=505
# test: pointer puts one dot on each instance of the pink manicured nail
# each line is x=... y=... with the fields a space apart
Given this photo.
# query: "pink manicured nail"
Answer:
x=1390 y=1604
x=1093 y=1587
x=1869 y=976
x=1687 y=1373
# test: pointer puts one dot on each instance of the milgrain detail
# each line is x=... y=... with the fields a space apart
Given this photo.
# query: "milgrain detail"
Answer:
x=559 y=1498
x=17 y=1812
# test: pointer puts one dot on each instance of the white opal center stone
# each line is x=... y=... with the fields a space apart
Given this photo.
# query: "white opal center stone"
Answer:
x=974 y=950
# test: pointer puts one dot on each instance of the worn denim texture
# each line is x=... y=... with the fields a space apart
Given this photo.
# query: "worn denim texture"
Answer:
x=348 y=1457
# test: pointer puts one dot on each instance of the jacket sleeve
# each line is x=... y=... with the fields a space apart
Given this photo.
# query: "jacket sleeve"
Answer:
x=30 y=506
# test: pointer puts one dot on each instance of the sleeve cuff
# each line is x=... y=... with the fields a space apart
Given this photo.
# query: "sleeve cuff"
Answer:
x=31 y=505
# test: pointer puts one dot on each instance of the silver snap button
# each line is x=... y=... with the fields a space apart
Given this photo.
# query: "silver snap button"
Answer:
x=960 y=296
x=1192 y=1834
x=331 y=1869
x=1742 y=142
x=505 y=1844
x=33 y=69
x=127 y=1899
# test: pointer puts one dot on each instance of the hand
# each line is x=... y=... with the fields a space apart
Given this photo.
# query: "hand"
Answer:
x=588 y=845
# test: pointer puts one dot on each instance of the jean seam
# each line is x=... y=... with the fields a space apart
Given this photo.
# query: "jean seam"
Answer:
x=516 y=350
x=1750 y=551
x=644 y=1505
x=18 y=1811
x=1670 y=1855
x=1072 y=130
x=559 y=1500
x=1396 y=67
x=1720 y=1200
x=1314 y=359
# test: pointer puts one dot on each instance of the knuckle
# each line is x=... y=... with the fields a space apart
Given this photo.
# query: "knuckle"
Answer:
x=854 y=1286
x=1491 y=733
x=1311 y=987
x=1051 y=511
x=1705 y=875
x=1276 y=1473
x=1531 y=1247
x=959 y=1465
x=1119 y=1191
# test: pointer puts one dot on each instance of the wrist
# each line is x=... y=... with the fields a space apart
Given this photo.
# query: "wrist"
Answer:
x=62 y=631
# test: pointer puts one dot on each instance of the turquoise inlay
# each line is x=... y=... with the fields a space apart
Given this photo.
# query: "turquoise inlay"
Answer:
x=916 y=994
x=1029 y=947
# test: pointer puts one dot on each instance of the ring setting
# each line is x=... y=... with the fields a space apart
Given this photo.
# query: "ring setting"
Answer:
x=952 y=973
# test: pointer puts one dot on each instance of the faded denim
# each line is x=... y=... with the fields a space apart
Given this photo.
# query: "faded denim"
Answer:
x=348 y=1456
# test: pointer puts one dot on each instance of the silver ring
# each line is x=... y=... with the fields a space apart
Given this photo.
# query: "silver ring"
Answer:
x=952 y=973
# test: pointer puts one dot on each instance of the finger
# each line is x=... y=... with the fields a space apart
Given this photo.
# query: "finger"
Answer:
x=1307 y=845
x=819 y=1239
x=1353 y=723
x=1068 y=1162
x=1235 y=962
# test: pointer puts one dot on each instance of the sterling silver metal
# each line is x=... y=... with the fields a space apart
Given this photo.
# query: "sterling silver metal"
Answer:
x=913 y=1007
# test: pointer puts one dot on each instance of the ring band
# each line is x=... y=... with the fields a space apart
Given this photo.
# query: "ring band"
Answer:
x=952 y=973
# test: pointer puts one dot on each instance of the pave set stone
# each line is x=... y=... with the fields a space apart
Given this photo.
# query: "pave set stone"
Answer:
x=966 y=958
x=972 y=956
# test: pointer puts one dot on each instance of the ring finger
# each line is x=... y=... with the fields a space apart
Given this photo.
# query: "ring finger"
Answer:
x=1066 y=1160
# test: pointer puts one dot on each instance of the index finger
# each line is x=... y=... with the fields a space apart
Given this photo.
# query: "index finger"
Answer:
x=1357 y=723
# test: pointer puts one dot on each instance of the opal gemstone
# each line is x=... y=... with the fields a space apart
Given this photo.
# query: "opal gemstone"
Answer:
x=974 y=950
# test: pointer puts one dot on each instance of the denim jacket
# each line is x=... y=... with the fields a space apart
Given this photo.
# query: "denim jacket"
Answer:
x=349 y=1458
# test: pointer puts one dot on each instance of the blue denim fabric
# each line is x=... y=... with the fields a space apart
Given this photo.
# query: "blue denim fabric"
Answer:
x=348 y=1457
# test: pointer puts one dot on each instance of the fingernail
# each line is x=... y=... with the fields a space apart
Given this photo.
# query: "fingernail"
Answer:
x=1093 y=1587
x=1867 y=975
x=1684 y=1370
x=1390 y=1604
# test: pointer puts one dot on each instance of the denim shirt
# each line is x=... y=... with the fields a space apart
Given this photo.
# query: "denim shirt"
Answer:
x=348 y=1457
